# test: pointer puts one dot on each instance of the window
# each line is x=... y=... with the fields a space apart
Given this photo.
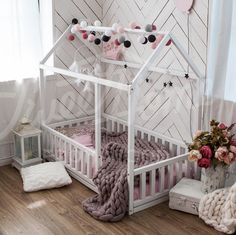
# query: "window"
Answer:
x=20 y=41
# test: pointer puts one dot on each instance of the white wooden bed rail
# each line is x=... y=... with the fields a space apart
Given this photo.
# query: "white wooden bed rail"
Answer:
x=79 y=160
x=167 y=172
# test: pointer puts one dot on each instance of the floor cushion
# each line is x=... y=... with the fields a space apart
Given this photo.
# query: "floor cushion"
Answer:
x=44 y=176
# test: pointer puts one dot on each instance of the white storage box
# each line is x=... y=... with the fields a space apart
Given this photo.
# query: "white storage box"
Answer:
x=185 y=196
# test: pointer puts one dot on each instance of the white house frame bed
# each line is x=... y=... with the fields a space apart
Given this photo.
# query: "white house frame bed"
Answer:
x=80 y=160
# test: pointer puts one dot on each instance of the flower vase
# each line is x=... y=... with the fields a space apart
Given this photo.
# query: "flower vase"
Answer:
x=213 y=178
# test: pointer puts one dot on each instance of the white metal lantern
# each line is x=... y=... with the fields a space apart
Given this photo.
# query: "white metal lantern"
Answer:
x=27 y=145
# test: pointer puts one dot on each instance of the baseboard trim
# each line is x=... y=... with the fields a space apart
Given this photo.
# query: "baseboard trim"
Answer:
x=6 y=161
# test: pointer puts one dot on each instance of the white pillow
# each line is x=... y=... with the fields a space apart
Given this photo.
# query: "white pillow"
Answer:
x=44 y=176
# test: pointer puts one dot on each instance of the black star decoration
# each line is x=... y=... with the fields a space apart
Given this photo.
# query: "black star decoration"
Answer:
x=170 y=83
x=126 y=66
x=186 y=76
x=164 y=84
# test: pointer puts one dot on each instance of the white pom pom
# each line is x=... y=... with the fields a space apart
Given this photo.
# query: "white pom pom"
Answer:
x=141 y=39
x=97 y=23
x=83 y=24
x=108 y=33
x=73 y=30
x=115 y=26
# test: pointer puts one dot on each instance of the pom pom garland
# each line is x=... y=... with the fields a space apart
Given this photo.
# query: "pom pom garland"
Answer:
x=105 y=38
x=91 y=37
x=74 y=21
x=71 y=37
x=116 y=28
x=117 y=43
x=127 y=43
x=151 y=38
x=97 y=23
x=97 y=41
x=148 y=28
x=120 y=29
x=83 y=24
x=84 y=35
x=132 y=25
x=121 y=39
x=141 y=39
x=108 y=33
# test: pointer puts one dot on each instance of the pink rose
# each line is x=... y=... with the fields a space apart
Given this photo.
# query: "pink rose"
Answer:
x=229 y=159
x=206 y=151
x=233 y=142
x=232 y=149
x=194 y=155
x=221 y=153
x=222 y=126
x=204 y=162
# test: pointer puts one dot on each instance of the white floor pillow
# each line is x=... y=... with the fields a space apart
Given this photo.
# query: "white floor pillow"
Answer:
x=44 y=176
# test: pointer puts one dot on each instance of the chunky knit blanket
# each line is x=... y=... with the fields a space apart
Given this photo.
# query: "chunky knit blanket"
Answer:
x=111 y=202
x=218 y=209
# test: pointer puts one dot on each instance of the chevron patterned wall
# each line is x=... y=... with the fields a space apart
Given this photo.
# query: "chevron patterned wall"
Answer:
x=169 y=110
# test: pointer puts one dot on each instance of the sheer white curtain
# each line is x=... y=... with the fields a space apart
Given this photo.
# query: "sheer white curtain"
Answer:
x=20 y=41
x=221 y=72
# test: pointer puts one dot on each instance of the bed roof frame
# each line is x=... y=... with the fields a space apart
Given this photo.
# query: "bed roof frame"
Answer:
x=131 y=89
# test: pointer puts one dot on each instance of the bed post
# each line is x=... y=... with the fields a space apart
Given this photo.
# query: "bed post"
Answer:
x=98 y=125
x=42 y=93
x=131 y=136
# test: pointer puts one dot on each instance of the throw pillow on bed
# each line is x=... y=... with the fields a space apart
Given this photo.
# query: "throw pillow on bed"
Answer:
x=44 y=176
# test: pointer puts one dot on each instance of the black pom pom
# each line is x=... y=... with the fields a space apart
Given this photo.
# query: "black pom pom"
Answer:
x=145 y=41
x=93 y=32
x=74 y=21
x=151 y=38
x=127 y=43
x=105 y=38
x=97 y=41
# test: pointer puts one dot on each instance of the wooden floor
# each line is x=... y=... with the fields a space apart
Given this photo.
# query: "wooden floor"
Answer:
x=59 y=211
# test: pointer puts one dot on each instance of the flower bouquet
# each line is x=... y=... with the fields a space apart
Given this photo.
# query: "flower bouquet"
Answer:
x=213 y=151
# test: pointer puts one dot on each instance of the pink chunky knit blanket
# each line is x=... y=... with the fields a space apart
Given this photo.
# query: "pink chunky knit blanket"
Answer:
x=111 y=202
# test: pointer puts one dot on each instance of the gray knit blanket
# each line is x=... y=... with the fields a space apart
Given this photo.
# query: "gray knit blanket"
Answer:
x=111 y=202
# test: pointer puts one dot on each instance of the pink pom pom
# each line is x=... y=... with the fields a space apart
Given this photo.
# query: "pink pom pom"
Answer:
x=168 y=43
x=76 y=28
x=84 y=35
x=117 y=43
x=91 y=37
x=120 y=29
x=154 y=27
x=159 y=37
x=71 y=37
x=132 y=25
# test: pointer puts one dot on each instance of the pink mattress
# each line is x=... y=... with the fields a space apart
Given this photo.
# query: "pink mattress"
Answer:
x=81 y=134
